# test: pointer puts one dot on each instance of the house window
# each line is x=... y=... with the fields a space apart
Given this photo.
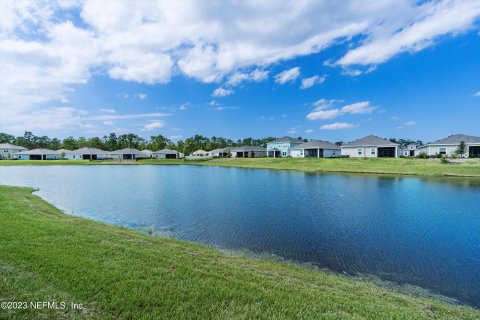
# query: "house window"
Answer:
x=442 y=151
x=284 y=153
x=360 y=152
x=372 y=152
x=333 y=152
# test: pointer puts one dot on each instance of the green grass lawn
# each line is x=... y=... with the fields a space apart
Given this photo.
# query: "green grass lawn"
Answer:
x=118 y=273
x=402 y=166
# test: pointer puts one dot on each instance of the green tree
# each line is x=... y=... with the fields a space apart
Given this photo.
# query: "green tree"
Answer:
x=461 y=148
x=6 y=138
x=70 y=143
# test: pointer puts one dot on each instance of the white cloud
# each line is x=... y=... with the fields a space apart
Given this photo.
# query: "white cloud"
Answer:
x=185 y=106
x=310 y=82
x=45 y=55
x=415 y=32
x=140 y=96
x=309 y=131
x=477 y=94
x=126 y=116
x=359 y=107
x=107 y=110
x=289 y=75
x=221 y=92
x=338 y=126
x=411 y=123
x=220 y=108
x=324 y=103
x=256 y=75
x=154 y=124
x=175 y=137
x=324 y=114
x=293 y=130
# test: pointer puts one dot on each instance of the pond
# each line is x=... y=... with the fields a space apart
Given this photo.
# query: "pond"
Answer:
x=424 y=232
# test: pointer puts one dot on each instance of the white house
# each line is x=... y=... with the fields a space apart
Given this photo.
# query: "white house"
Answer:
x=87 y=154
x=147 y=153
x=371 y=147
x=8 y=150
x=165 y=154
x=38 y=154
x=315 y=148
x=221 y=152
x=281 y=147
x=450 y=145
x=249 y=152
x=200 y=154
x=127 y=154
x=410 y=150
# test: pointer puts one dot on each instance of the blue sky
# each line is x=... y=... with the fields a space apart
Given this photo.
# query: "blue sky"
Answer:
x=311 y=69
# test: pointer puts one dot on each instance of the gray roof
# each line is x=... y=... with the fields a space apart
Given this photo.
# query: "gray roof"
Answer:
x=317 y=144
x=89 y=151
x=146 y=151
x=127 y=151
x=370 y=141
x=11 y=146
x=457 y=138
x=287 y=140
x=221 y=150
x=39 y=151
x=249 y=148
x=166 y=151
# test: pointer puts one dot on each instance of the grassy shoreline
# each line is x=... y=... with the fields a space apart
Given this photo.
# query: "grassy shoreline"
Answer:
x=388 y=166
x=119 y=273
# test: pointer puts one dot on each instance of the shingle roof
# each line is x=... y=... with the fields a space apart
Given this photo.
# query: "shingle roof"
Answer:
x=166 y=151
x=39 y=151
x=457 y=138
x=370 y=141
x=317 y=144
x=287 y=140
x=248 y=149
x=221 y=150
x=200 y=151
x=11 y=146
x=89 y=151
x=127 y=151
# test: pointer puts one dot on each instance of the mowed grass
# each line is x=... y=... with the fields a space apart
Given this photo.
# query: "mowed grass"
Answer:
x=116 y=273
x=391 y=166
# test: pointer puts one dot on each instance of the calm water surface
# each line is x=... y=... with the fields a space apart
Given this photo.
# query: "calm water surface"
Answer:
x=407 y=230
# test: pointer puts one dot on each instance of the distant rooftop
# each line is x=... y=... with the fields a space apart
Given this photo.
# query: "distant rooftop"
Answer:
x=457 y=138
x=248 y=149
x=127 y=151
x=317 y=144
x=39 y=151
x=287 y=140
x=166 y=151
x=89 y=151
x=370 y=140
x=11 y=146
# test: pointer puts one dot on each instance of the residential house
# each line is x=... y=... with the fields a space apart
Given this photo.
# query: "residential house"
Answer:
x=127 y=154
x=410 y=150
x=450 y=144
x=200 y=154
x=249 y=152
x=8 y=150
x=371 y=147
x=221 y=152
x=281 y=147
x=315 y=148
x=147 y=153
x=87 y=154
x=38 y=154
x=165 y=154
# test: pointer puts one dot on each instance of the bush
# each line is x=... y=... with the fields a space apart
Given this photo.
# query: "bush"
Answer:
x=454 y=155
x=422 y=155
x=444 y=160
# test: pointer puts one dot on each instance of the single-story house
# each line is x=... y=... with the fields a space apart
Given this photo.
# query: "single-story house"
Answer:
x=450 y=145
x=249 y=152
x=165 y=154
x=281 y=147
x=87 y=154
x=410 y=150
x=127 y=154
x=315 y=148
x=200 y=154
x=38 y=154
x=147 y=153
x=221 y=152
x=371 y=147
x=8 y=150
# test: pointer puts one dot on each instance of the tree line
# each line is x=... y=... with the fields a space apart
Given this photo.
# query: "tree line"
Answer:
x=114 y=142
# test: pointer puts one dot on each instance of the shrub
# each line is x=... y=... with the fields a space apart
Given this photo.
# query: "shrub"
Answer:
x=444 y=160
x=422 y=155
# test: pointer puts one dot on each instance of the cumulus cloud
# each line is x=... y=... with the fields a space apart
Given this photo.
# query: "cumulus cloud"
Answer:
x=256 y=75
x=321 y=113
x=46 y=55
x=221 y=92
x=107 y=110
x=338 y=126
x=310 y=82
x=289 y=75
x=153 y=124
